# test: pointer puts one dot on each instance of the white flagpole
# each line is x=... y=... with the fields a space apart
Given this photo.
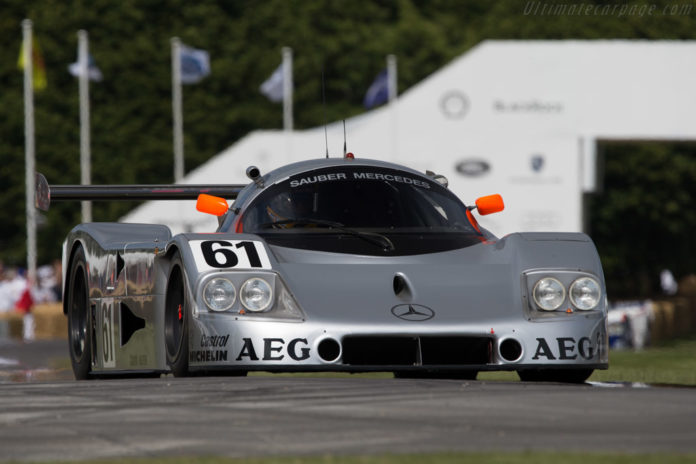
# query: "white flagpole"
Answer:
x=287 y=88
x=85 y=150
x=392 y=88
x=29 y=150
x=177 y=111
x=392 y=78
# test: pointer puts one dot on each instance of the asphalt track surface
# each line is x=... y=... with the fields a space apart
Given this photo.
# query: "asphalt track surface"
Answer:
x=45 y=417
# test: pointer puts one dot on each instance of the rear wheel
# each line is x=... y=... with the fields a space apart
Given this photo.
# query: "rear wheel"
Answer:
x=176 y=320
x=555 y=375
x=79 y=317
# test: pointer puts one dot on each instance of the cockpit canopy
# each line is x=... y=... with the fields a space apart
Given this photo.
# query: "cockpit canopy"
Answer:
x=363 y=197
x=359 y=209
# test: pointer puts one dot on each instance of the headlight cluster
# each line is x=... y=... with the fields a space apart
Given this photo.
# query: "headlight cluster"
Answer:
x=261 y=295
x=549 y=293
x=219 y=294
x=255 y=295
x=585 y=293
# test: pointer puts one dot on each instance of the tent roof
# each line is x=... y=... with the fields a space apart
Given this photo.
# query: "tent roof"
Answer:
x=498 y=93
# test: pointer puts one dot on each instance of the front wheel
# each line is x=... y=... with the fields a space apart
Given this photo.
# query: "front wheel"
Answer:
x=176 y=320
x=79 y=317
x=555 y=375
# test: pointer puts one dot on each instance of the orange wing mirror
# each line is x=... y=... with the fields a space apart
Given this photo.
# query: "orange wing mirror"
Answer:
x=490 y=204
x=211 y=204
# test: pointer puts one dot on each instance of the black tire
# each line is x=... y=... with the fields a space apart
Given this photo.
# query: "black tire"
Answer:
x=458 y=375
x=555 y=375
x=176 y=313
x=79 y=317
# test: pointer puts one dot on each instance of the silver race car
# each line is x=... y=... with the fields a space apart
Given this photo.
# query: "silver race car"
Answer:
x=329 y=265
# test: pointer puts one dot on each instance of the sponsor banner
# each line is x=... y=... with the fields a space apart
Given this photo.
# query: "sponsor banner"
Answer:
x=366 y=175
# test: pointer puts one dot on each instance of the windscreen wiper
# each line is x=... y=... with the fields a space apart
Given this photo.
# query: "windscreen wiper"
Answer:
x=372 y=237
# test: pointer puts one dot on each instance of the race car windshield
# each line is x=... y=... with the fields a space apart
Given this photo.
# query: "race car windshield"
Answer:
x=387 y=211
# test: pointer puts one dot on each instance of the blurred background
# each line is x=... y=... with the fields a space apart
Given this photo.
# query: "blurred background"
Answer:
x=641 y=217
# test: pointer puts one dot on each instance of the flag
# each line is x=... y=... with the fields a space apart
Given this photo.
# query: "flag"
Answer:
x=195 y=64
x=39 y=68
x=93 y=72
x=272 y=88
x=378 y=92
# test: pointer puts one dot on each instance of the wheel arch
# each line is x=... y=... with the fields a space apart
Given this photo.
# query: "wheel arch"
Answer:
x=66 y=280
x=177 y=360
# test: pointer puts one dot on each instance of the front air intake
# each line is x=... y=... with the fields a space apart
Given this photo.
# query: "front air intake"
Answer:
x=510 y=350
x=416 y=351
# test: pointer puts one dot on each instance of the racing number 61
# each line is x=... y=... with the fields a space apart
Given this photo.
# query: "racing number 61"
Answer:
x=226 y=254
x=108 y=335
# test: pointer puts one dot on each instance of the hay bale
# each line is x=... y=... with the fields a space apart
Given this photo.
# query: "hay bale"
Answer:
x=49 y=321
x=11 y=325
x=668 y=310
x=687 y=286
x=664 y=326
x=682 y=317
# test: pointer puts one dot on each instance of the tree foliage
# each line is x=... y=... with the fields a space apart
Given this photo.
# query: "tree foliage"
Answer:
x=346 y=40
x=644 y=219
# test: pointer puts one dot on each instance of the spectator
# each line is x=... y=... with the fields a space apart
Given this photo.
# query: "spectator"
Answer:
x=668 y=282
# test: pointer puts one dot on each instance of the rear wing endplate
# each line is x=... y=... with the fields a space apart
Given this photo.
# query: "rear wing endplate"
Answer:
x=46 y=193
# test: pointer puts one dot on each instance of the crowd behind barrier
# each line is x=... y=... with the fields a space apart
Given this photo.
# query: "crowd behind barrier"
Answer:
x=638 y=324
x=22 y=300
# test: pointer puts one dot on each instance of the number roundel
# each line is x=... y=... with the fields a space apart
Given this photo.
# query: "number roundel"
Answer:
x=221 y=257
x=229 y=254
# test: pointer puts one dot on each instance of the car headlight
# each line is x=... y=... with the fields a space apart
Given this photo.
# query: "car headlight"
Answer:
x=219 y=294
x=549 y=294
x=256 y=294
x=585 y=293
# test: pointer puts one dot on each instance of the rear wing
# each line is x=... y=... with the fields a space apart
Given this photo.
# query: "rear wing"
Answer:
x=46 y=193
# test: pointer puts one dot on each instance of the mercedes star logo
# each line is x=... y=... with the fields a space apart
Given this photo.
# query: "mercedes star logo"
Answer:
x=413 y=312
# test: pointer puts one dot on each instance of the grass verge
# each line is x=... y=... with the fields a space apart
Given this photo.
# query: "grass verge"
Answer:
x=672 y=363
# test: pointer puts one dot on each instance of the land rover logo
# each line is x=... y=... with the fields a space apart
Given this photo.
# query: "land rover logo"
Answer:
x=413 y=312
x=473 y=167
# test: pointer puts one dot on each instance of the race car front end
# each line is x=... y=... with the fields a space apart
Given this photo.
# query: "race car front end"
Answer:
x=446 y=314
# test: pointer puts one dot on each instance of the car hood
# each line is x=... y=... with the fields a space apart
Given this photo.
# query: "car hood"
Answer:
x=474 y=284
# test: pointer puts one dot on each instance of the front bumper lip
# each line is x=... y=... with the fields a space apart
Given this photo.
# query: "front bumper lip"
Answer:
x=281 y=368
x=321 y=346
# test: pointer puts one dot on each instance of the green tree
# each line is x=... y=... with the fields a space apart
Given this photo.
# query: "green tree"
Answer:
x=346 y=40
x=644 y=219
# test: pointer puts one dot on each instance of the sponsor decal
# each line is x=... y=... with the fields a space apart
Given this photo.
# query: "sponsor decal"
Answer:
x=337 y=176
x=274 y=349
x=454 y=104
x=413 y=312
x=320 y=178
x=214 y=341
x=473 y=167
x=540 y=220
x=528 y=106
x=537 y=163
x=229 y=254
x=565 y=348
x=207 y=355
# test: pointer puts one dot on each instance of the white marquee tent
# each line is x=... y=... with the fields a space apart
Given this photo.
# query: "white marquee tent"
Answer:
x=520 y=118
